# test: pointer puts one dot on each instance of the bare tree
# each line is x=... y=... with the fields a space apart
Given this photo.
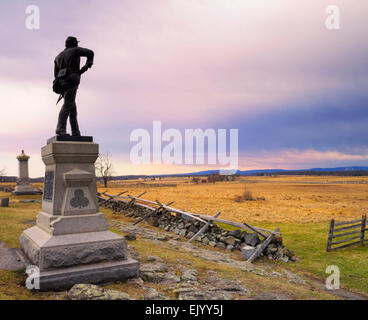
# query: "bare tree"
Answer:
x=2 y=173
x=104 y=167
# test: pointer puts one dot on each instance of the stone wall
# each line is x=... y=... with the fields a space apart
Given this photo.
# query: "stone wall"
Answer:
x=214 y=236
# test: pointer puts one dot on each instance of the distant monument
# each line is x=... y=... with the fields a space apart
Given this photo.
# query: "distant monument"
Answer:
x=70 y=242
x=23 y=187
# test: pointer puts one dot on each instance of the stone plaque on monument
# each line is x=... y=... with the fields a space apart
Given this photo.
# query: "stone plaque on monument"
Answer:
x=48 y=185
x=71 y=243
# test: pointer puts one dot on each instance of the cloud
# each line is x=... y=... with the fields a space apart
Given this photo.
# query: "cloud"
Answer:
x=300 y=159
x=269 y=68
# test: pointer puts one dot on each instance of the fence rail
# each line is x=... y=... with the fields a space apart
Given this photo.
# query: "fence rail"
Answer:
x=354 y=227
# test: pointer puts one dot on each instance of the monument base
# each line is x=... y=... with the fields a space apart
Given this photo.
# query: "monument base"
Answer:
x=71 y=243
x=90 y=257
x=25 y=190
x=65 y=278
x=25 y=193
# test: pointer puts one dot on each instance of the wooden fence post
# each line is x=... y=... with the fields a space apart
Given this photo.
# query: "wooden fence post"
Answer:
x=364 y=222
x=330 y=235
x=203 y=229
x=263 y=246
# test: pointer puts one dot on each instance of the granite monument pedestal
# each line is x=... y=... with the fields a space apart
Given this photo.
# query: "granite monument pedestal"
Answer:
x=71 y=243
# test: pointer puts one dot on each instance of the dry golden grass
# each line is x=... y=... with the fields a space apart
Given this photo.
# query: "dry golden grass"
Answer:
x=301 y=206
x=287 y=198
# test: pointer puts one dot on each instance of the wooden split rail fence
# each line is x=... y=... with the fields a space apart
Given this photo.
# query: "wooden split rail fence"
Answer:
x=355 y=229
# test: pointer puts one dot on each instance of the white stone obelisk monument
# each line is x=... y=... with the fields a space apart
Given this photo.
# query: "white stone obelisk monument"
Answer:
x=23 y=187
x=71 y=242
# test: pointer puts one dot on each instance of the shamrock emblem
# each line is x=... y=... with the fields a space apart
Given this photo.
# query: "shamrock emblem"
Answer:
x=79 y=199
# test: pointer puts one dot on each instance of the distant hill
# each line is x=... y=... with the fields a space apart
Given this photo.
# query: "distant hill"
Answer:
x=279 y=171
x=346 y=171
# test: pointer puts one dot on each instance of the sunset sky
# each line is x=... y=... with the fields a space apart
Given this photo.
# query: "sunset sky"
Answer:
x=296 y=91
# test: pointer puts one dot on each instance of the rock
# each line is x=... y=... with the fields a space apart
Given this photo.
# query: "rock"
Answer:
x=10 y=258
x=154 y=267
x=212 y=243
x=160 y=277
x=190 y=275
x=220 y=245
x=205 y=240
x=93 y=292
x=277 y=240
x=293 y=258
x=225 y=284
x=203 y=294
x=162 y=238
x=247 y=252
x=284 y=258
x=221 y=238
x=183 y=233
x=289 y=253
x=190 y=234
x=154 y=277
x=153 y=294
x=276 y=274
x=231 y=240
x=171 y=278
x=183 y=287
x=132 y=252
x=230 y=247
x=293 y=277
x=211 y=237
x=251 y=239
x=158 y=272
x=130 y=237
x=279 y=252
x=153 y=258
x=235 y=233
x=153 y=221
x=136 y=281
x=271 y=249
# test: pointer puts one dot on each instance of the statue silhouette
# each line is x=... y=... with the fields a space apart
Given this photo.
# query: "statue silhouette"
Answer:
x=67 y=73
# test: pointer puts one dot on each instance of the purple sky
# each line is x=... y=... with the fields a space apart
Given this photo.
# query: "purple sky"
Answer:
x=296 y=91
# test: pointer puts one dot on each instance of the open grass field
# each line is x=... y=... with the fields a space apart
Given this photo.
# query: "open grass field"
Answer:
x=301 y=206
x=287 y=199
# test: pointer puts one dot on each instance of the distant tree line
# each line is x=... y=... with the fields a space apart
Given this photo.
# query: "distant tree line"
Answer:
x=347 y=173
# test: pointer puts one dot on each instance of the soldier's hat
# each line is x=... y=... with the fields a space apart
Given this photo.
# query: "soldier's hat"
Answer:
x=71 y=41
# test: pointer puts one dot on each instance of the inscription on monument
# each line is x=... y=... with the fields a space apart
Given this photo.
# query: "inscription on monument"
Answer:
x=79 y=200
x=49 y=185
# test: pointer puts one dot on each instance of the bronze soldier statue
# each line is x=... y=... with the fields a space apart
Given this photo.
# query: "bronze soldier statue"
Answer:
x=67 y=74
